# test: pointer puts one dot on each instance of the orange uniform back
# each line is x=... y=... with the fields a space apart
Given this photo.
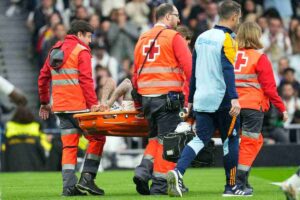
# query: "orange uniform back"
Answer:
x=250 y=93
x=66 y=91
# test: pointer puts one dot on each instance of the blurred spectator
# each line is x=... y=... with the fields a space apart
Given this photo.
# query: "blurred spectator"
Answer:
x=81 y=13
x=59 y=33
x=250 y=7
x=291 y=101
x=101 y=57
x=94 y=21
x=283 y=7
x=122 y=37
x=296 y=40
x=126 y=70
x=25 y=143
x=185 y=8
x=283 y=64
x=46 y=33
x=38 y=18
x=197 y=21
x=289 y=77
x=263 y=23
x=108 y=5
x=276 y=42
x=292 y=26
x=138 y=11
x=69 y=13
x=212 y=14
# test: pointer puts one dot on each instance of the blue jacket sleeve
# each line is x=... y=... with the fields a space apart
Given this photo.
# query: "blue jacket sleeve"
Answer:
x=227 y=59
x=193 y=79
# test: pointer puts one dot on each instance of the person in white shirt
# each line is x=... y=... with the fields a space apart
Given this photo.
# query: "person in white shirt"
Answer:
x=9 y=90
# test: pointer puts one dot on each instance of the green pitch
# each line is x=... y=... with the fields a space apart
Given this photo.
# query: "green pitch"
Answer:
x=206 y=184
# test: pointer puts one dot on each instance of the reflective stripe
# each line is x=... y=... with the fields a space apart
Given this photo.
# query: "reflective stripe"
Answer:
x=149 y=157
x=150 y=70
x=93 y=157
x=245 y=76
x=72 y=81
x=245 y=84
x=68 y=166
x=160 y=84
x=250 y=134
x=243 y=167
x=16 y=129
x=159 y=175
x=64 y=71
x=70 y=131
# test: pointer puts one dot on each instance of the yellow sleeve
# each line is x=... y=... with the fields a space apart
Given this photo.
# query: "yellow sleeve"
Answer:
x=230 y=48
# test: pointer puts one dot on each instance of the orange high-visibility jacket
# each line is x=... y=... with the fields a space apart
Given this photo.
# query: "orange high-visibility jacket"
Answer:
x=250 y=92
x=161 y=72
x=66 y=92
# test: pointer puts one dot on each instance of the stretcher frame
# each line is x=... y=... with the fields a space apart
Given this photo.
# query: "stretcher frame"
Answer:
x=114 y=123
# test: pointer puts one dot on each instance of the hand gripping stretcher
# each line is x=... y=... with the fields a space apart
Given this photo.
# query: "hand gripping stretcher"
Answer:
x=114 y=123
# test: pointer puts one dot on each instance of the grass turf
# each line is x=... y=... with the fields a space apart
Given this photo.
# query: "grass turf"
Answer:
x=206 y=184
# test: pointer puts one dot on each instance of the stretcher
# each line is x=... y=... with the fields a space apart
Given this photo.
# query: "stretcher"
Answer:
x=114 y=123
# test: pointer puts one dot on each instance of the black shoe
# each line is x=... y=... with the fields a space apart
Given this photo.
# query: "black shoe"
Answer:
x=184 y=189
x=72 y=191
x=87 y=183
x=142 y=186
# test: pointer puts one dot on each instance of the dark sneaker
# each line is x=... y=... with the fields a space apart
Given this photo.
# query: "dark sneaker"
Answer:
x=174 y=180
x=87 y=183
x=184 y=189
x=72 y=191
x=142 y=186
x=235 y=191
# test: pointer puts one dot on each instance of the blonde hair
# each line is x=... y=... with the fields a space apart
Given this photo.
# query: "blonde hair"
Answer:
x=248 y=36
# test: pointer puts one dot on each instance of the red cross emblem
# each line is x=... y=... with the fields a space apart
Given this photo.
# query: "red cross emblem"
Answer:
x=155 y=51
x=241 y=61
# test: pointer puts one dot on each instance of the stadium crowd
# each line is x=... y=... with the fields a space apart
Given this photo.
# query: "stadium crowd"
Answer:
x=119 y=23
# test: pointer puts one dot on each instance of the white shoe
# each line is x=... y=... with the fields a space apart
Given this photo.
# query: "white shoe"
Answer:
x=291 y=188
x=174 y=179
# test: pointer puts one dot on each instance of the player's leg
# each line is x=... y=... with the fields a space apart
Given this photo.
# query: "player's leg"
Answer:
x=204 y=128
x=229 y=128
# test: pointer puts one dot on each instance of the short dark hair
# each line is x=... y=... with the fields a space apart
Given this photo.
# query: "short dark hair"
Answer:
x=80 y=26
x=23 y=115
x=287 y=70
x=228 y=8
x=163 y=9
